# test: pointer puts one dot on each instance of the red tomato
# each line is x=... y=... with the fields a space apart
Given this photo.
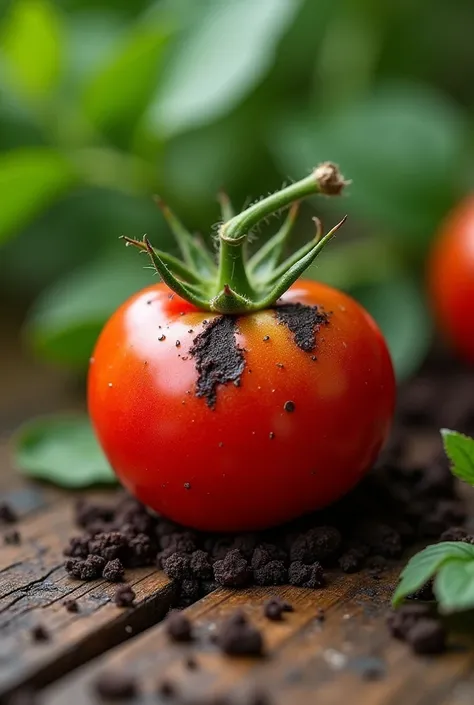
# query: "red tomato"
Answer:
x=299 y=430
x=451 y=278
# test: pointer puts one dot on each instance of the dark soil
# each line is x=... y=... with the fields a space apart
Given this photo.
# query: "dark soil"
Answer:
x=409 y=498
x=304 y=322
x=219 y=360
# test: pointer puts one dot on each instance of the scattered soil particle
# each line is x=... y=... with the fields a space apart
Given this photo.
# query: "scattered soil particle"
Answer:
x=166 y=689
x=233 y=570
x=178 y=627
x=12 y=538
x=237 y=637
x=71 y=605
x=273 y=573
x=218 y=358
x=402 y=620
x=321 y=543
x=303 y=321
x=124 y=596
x=456 y=533
x=85 y=569
x=275 y=608
x=191 y=664
x=114 y=571
x=187 y=485
x=321 y=615
x=78 y=546
x=177 y=566
x=200 y=565
x=109 y=545
x=308 y=576
x=115 y=686
x=427 y=636
x=39 y=633
x=351 y=561
x=7 y=514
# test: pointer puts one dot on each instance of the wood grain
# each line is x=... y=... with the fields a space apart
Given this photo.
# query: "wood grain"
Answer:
x=33 y=587
x=306 y=660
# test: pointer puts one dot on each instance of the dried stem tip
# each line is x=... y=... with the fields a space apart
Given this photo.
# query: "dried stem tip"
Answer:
x=330 y=180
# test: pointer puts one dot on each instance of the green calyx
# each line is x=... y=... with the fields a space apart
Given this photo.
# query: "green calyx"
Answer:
x=235 y=283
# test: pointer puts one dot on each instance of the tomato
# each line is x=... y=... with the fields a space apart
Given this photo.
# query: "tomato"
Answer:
x=451 y=278
x=247 y=427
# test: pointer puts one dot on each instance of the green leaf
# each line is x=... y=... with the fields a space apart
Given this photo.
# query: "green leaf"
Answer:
x=30 y=179
x=67 y=319
x=31 y=42
x=62 y=450
x=397 y=146
x=423 y=566
x=219 y=60
x=454 y=586
x=460 y=450
x=398 y=307
x=134 y=66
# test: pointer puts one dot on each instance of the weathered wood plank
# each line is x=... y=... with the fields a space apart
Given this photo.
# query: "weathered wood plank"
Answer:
x=33 y=587
x=306 y=658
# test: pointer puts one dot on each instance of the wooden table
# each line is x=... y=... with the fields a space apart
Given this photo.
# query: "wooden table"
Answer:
x=330 y=662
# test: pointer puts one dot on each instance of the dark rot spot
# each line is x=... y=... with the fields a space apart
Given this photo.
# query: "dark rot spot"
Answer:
x=187 y=485
x=190 y=330
x=289 y=406
x=162 y=337
x=303 y=321
x=178 y=343
x=219 y=360
x=280 y=365
x=266 y=338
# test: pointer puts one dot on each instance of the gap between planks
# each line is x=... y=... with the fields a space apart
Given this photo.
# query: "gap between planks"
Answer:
x=307 y=661
x=33 y=587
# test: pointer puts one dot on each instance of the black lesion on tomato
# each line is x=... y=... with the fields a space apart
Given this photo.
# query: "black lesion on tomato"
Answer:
x=303 y=321
x=218 y=358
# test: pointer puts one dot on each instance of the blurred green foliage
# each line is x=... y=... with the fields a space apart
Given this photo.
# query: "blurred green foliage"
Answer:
x=104 y=102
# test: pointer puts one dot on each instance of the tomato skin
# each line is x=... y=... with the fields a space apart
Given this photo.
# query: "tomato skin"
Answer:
x=451 y=278
x=248 y=463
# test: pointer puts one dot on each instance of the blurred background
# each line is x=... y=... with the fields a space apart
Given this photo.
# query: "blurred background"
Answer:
x=106 y=102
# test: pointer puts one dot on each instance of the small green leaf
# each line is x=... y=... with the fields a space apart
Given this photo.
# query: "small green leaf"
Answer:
x=31 y=42
x=423 y=566
x=454 y=586
x=30 y=180
x=460 y=450
x=67 y=319
x=225 y=53
x=62 y=450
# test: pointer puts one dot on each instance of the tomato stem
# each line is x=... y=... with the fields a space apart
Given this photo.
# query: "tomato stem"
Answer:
x=237 y=284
